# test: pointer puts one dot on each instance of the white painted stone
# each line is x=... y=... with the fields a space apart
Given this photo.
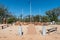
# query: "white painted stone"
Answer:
x=20 y=30
x=44 y=30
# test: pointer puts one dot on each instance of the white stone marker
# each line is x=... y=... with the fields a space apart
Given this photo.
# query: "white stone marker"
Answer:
x=20 y=30
x=44 y=30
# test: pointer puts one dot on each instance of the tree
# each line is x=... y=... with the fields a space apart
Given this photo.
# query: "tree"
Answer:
x=53 y=14
x=45 y=19
x=4 y=14
x=27 y=18
x=11 y=19
x=37 y=18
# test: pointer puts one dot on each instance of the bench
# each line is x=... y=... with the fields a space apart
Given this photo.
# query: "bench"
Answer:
x=4 y=26
x=52 y=30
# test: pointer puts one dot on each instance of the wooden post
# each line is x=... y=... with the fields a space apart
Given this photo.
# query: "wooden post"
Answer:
x=2 y=27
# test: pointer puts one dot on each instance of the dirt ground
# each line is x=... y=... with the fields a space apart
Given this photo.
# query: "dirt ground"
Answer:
x=30 y=32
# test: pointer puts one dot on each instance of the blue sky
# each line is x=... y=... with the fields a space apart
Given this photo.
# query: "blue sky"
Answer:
x=38 y=6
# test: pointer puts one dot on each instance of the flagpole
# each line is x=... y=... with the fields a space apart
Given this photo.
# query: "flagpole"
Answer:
x=39 y=16
x=22 y=13
x=30 y=11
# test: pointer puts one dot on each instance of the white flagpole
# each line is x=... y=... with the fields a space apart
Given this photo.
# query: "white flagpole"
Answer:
x=30 y=11
x=39 y=16
x=22 y=13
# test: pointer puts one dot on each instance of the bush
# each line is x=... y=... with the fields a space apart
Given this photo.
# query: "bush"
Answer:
x=11 y=20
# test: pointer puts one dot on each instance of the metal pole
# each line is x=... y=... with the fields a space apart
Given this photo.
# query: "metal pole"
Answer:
x=22 y=14
x=30 y=12
x=39 y=16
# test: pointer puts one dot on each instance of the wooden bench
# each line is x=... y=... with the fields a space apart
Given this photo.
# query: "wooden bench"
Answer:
x=4 y=26
x=52 y=30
